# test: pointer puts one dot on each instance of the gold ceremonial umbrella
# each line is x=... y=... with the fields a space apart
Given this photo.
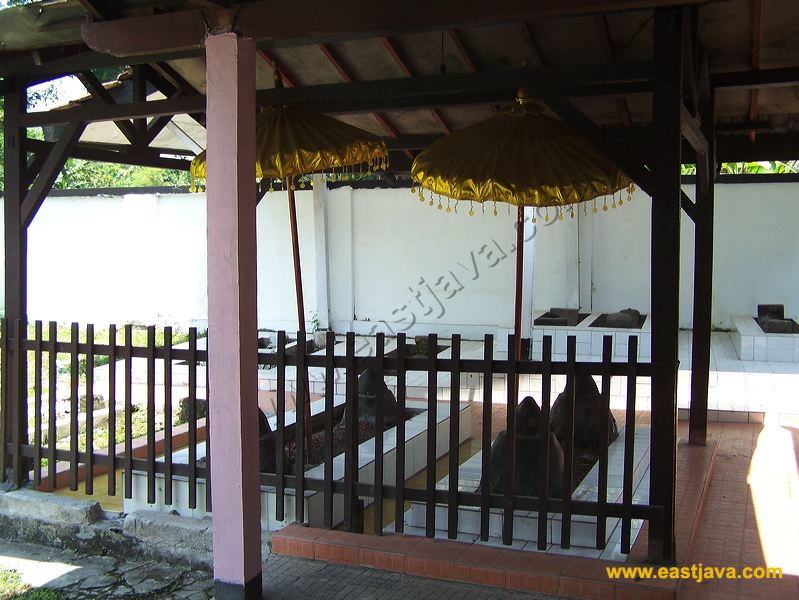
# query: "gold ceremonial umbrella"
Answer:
x=291 y=141
x=522 y=157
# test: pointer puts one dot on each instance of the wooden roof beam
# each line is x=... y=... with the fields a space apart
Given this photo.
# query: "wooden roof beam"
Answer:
x=346 y=75
x=394 y=52
x=289 y=80
x=389 y=94
x=294 y=24
x=606 y=42
x=757 y=17
x=96 y=89
x=528 y=33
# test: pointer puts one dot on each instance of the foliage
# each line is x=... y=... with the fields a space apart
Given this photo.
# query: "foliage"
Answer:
x=84 y=174
x=11 y=585
x=759 y=168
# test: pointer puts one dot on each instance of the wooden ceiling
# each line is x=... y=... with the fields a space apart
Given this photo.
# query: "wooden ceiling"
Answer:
x=461 y=59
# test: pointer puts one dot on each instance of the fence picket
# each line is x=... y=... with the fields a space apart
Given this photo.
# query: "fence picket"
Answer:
x=280 y=491
x=73 y=407
x=568 y=450
x=52 y=431
x=379 y=422
x=604 y=425
x=192 y=417
x=168 y=415
x=89 y=409
x=128 y=414
x=112 y=410
x=488 y=391
x=544 y=432
x=629 y=444
x=37 y=405
x=399 y=500
x=432 y=426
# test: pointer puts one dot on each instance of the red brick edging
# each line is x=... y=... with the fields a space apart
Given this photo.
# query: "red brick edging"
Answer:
x=569 y=576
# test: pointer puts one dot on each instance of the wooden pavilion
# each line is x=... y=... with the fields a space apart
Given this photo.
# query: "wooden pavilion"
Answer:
x=653 y=83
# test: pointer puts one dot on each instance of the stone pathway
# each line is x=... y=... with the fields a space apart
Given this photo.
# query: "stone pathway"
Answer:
x=83 y=577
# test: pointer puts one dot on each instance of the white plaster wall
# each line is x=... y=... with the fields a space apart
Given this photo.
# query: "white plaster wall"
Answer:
x=756 y=249
x=142 y=258
x=556 y=282
x=277 y=304
x=447 y=272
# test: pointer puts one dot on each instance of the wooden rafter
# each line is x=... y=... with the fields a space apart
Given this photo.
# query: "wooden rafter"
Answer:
x=466 y=56
x=606 y=42
x=96 y=89
x=528 y=33
x=56 y=158
x=757 y=17
x=346 y=75
x=393 y=51
x=289 y=80
x=457 y=39
x=294 y=24
x=389 y=94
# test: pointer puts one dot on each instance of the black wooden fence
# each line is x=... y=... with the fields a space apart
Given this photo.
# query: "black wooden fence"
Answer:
x=25 y=455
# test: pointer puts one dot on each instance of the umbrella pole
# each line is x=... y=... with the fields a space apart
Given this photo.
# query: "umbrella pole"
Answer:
x=295 y=247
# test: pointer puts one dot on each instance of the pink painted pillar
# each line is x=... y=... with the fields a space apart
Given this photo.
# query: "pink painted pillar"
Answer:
x=232 y=327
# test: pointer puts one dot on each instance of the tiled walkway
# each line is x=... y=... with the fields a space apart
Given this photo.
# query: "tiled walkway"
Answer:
x=751 y=515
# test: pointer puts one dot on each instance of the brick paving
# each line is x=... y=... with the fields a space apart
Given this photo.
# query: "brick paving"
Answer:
x=728 y=533
x=83 y=577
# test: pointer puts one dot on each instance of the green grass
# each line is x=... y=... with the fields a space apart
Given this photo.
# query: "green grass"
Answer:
x=12 y=588
x=11 y=585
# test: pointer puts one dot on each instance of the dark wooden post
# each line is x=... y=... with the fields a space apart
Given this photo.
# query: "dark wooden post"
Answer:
x=703 y=277
x=16 y=245
x=667 y=102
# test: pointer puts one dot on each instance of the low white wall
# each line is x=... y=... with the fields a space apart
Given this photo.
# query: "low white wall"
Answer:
x=395 y=264
x=754 y=257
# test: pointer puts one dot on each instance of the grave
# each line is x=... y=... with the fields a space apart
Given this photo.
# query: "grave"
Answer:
x=768 y=337
x=525 y=523
x=590 y=332
x=415 y=461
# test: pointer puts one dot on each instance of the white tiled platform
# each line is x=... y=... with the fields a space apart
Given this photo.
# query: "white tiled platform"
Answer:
x=738 y=390
x=752 y=343
x=525 y=524
x=590 y=339
x=415 y=461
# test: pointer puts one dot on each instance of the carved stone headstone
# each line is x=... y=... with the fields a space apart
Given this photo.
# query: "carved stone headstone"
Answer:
x=587 y=415
x=368 y=385
x=776 y=325
x=528 y=479
x=770 y=311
